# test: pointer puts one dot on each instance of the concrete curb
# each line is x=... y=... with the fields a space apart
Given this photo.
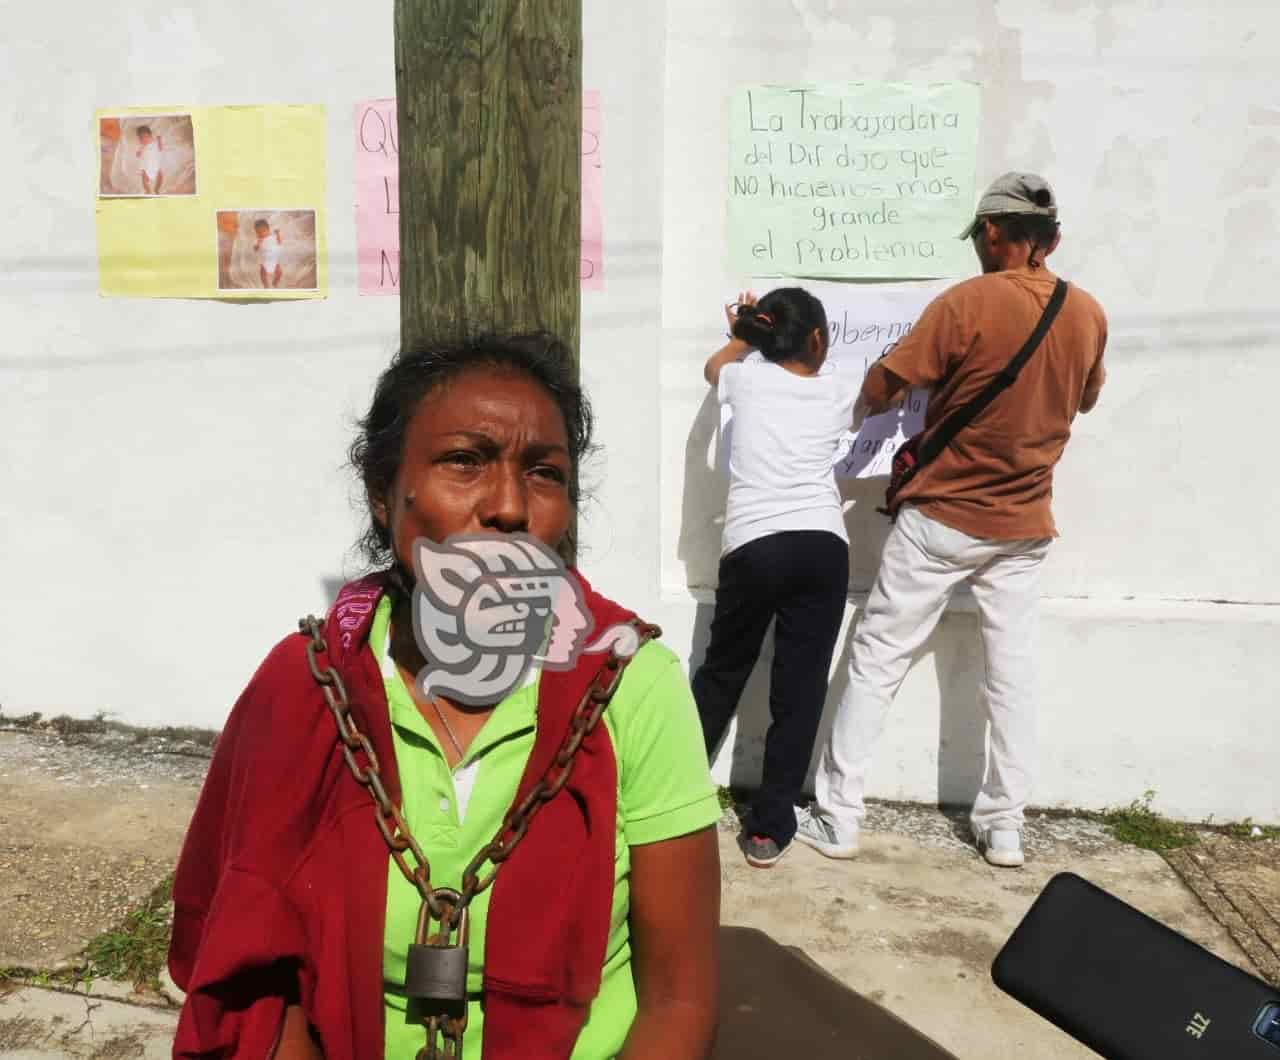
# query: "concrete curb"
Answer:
x=36 y=1024
x=1234 y=903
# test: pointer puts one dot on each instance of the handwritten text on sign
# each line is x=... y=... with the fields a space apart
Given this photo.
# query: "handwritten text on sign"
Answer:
x=855 y=180
x=864 y=322
x=378 y=196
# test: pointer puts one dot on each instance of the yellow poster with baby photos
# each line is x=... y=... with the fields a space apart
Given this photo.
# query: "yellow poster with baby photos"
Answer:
x=211 y=202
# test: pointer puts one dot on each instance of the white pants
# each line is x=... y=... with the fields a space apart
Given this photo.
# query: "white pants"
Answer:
x=923 y=561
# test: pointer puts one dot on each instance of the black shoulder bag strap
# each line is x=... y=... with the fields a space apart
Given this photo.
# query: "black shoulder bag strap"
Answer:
x=936 y=441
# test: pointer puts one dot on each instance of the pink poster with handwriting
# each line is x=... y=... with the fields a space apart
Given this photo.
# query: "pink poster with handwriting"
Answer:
x=592 y=195
x=378 y=196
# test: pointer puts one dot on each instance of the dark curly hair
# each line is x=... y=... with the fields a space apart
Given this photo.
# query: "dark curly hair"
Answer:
x=415 y=372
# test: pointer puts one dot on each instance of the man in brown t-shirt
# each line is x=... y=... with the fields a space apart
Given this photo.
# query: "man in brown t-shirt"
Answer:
x=979 y=513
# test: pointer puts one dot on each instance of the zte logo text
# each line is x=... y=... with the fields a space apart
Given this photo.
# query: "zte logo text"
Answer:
x=1198 y=1025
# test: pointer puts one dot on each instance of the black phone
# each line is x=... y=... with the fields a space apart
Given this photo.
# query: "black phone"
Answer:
x=1129 y=987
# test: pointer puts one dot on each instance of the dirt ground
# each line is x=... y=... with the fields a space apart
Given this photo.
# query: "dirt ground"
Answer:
x=90 y=823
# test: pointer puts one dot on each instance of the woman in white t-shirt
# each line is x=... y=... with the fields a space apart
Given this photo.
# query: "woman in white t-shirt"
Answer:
x=785 y=554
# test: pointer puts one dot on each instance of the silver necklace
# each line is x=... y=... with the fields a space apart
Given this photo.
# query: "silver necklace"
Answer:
x=432 y=700
x=447 y=727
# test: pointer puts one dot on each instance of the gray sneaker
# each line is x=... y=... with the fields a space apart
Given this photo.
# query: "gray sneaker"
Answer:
x=760 y=851
x=819 y=833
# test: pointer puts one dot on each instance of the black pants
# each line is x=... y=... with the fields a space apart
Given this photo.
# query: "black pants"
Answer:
x=801 y=578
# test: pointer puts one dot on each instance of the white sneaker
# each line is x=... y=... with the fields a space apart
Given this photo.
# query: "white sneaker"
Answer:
x=819 y=833
x=1000 y=846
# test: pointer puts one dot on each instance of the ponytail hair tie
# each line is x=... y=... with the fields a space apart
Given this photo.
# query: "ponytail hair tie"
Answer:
x=765 y=319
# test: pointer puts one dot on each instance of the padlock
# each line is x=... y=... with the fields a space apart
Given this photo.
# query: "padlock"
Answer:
x=437 y=972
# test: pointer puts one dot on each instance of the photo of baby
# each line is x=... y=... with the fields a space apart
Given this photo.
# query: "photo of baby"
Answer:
x=147 y=156
x=267 y=249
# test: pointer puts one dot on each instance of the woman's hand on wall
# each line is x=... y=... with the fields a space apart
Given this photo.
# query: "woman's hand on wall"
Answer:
x=734 y=349
x=731 y=310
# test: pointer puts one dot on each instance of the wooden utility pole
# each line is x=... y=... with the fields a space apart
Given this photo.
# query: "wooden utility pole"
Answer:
x=489 y=97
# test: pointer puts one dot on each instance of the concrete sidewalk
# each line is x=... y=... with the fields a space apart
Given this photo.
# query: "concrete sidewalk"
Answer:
x=37 y=1024
x=913 y=924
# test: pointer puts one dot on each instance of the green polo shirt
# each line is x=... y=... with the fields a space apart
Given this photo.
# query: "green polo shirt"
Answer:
x=664 y=791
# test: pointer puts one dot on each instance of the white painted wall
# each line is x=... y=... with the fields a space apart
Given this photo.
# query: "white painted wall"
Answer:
x=1158 y=125
x=172 y=481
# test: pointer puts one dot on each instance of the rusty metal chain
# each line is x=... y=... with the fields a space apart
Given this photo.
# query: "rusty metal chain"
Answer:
x=515 y=824
x=585 y=718
x=390 y=822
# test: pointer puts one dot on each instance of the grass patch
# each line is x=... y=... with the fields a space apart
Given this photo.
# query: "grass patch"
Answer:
x=100 y=725
x=133 y=952
x=1141 y=826
x=65 y=726
x=1244 y=830
x=136 y=951
x=728 y=800
x=13 y=977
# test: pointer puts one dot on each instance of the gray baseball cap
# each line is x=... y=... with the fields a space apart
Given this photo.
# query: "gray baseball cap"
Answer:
x=1014 y=193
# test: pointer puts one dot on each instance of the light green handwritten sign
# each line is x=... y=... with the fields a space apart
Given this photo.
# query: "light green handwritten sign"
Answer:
x=862 y=179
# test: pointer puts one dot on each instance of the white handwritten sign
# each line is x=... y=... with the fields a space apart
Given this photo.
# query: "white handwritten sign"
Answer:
x=864 y=179
x=865 y=320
